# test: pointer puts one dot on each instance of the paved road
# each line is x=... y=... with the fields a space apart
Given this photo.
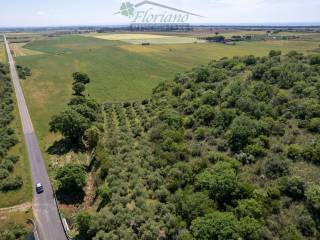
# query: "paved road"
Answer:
x=45 y=210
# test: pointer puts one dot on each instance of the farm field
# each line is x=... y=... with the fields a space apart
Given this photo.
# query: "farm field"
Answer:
x=19 y=50
x=146 y=38
x=119 y=71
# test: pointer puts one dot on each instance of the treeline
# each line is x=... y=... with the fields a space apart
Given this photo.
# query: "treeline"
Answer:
x=78 y=125
x=226 y=151
x=7 y=135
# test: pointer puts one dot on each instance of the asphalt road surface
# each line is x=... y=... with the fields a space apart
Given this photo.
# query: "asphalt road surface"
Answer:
x=48 y=222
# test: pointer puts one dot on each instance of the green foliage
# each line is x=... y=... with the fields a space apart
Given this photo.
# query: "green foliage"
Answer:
x=215 y=226
x=81 y=78
x=70 y=123
x=205 y=115
x=249 y=208
x=293 y=187
x=78 y=88
x=274 y=53
x=210 y=155
x=250 y=228
x=276 y=167
x=12 y=231
x=191 y=205
x=83 y=222
x=314 y=125
x=241 y=131
x=23 y=72
x=71 y=178
x=315 y=60
x=311 y=152
x=91 y=137
x=313 y=197
x=8 y=139
x=221 y=182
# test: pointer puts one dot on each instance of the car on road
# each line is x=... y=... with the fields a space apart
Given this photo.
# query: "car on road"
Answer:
x=39 y=188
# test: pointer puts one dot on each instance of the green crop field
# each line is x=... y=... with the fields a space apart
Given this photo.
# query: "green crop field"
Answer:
x=146 y=38
x=119 y=71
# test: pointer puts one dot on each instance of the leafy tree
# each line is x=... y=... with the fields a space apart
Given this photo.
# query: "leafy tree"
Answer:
x=250 y=60
x=314 y=125
x=83 y=221
x=315 y=60
x=191 y=205
x=276 y=167
x=91 y=137
x=12 y=231
x=78 y=88
x=250 y=228
x=249 y=208
x=204 y=115
x=209 y=98
x=71 y=178
x=241 y=131
x=70 y=124
x=293 y=187
x=216 y=226
x=274 y=53
x=313 y=197
x=81 y=78
x=311 y=152
x=221 y=181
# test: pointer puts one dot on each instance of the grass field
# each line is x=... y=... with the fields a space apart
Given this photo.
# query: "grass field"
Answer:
x=146 y=38
x=119 y=71
x=19 y=50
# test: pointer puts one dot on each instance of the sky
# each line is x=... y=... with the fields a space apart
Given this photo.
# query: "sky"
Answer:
x=33 y=13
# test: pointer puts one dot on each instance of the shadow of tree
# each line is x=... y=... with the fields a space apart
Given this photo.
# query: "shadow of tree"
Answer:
x=64 y=146
x=74 y=197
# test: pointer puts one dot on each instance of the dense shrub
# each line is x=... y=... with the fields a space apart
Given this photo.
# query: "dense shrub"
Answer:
x=313 y=197
x=293 y=187
x=7 y=135
x=221 y=182
x=71 y=178
x=276 y=167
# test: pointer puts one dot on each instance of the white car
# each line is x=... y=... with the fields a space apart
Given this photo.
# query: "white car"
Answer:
x=39 y=188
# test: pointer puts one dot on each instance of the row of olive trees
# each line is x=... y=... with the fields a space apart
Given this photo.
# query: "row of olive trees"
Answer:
x=8 y=139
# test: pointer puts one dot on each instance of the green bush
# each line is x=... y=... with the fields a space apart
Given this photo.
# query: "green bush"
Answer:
x=216 y=226
x=220 y=180
x=294 y=152
x=249 y=208
x=314 y=125
x=315 y=60
x=277 y=167
x=313 y=197
x=71 y=178
x=293 y=187
x=11 y=183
